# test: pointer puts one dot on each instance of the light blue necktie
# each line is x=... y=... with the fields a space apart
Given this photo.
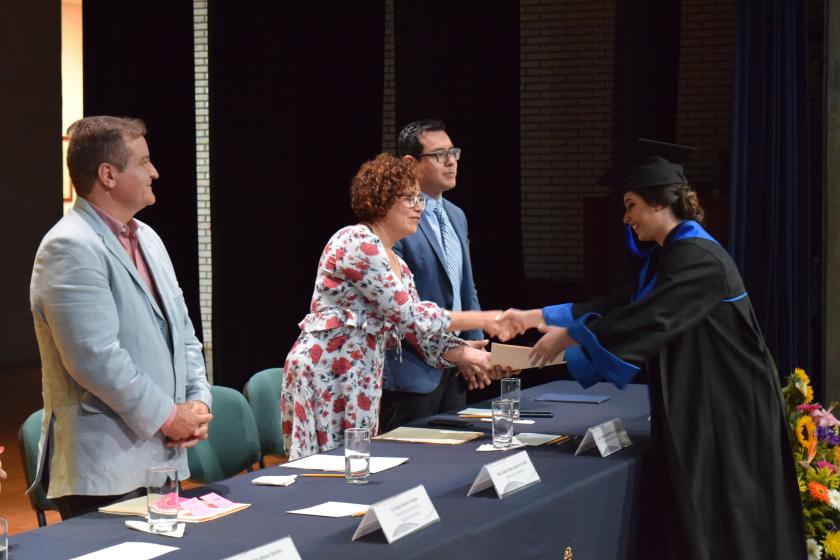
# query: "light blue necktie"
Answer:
x=451 y=255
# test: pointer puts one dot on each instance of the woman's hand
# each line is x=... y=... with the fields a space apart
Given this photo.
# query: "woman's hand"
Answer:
x=2 y=472
x=473 y=362
x=503 y=327
x=554 y=341
x=519 y=321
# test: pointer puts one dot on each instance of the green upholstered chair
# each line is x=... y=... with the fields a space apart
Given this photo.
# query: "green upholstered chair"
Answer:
x=233 y=444
x=28 y=436
x=263 y=394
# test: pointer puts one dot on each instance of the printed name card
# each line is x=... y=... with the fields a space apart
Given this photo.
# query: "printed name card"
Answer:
x=399 y=515
x=283 y=549
x=608 y=436
x=507 y=475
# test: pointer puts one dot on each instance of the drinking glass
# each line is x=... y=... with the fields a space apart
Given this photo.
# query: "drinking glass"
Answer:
x=4 y=539
x=357 y=455
x=511 y=390
x=162 y=498
x=502 y=423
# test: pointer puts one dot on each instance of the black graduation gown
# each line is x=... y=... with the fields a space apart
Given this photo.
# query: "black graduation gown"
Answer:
x=720 y=449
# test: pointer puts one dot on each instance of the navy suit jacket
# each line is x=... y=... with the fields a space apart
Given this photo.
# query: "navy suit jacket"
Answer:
x=424 y=257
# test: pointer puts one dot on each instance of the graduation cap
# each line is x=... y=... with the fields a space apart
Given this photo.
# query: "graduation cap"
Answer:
x=649 y=163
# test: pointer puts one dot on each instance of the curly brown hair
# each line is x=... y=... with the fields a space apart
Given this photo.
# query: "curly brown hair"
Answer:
x=378 y=184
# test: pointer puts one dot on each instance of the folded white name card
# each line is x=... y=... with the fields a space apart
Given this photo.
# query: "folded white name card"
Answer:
x=507 y=475
x=608 y=437
x=283 y=549
x=399 y=515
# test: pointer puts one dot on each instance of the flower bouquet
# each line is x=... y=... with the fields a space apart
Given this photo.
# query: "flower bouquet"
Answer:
x=816 y=451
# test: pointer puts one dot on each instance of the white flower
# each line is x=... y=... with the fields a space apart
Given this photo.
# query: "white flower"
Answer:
x=834 y=498
x=814 y=549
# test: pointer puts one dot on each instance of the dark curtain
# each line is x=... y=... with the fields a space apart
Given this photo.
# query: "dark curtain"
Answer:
x=464 y=69
x=771 y=203
x=138 y=62
x=30 y=150
x=645 y=103
x=295 y=108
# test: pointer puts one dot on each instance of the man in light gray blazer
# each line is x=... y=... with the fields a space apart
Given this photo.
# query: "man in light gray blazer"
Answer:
x=123 y=373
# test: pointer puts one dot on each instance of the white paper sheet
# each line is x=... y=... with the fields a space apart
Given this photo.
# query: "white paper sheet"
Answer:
x=333 y=509
x=335 y=463
x=129 y=551
x=516 y=357
x=520 y=421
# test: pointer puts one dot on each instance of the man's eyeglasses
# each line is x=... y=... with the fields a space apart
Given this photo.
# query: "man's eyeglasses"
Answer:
x=415 y=200
x=441 y=156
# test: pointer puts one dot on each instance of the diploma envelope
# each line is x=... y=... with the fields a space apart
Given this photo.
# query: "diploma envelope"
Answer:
x=516 y=357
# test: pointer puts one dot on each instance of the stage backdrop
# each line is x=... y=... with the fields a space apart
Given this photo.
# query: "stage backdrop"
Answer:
x=30 y=150
x=295 y=108
x=138 y=62
x=460 y=63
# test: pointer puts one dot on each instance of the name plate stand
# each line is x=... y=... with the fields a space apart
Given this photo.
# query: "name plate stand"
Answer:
x=283 y=549
x=399 y=515
x=608 y=437
x=507 y=475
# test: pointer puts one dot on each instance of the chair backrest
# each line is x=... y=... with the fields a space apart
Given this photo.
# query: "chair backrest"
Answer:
x=263 y=394
x=233 y=444
x=28 y=436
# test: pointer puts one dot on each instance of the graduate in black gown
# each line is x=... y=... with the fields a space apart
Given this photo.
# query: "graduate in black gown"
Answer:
x=725 y=484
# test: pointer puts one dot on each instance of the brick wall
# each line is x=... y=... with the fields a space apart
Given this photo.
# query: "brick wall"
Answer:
x=202 y=162
x=389 y=88
x=706 y=74
x=566 y=85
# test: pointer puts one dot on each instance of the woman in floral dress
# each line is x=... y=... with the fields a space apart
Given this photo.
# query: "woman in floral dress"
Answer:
x=363 y=303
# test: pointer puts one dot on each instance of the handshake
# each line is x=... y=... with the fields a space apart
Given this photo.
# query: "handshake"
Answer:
x=474 y=361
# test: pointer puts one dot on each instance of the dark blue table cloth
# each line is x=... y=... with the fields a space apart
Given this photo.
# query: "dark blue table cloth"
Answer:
x=585 y=502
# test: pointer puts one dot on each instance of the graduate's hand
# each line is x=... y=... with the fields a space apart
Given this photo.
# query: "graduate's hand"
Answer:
x=554 y=341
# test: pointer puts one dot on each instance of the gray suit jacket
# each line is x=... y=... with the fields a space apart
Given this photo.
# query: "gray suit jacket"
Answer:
x=113 y=361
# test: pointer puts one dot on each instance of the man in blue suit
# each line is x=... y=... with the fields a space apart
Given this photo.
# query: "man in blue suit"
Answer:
x=123 y=372
x=443 y=274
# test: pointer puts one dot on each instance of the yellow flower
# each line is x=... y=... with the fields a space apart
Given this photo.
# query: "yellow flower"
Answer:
x=803 y=383
x=802 y=486
x=807 y=425
x=832 y=544
x=837 y=455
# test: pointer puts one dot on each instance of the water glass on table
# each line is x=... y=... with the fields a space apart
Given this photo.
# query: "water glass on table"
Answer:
x=502 y=423
x=357 y=455
x=511 y=391
x=162 y=498
x=4 y=539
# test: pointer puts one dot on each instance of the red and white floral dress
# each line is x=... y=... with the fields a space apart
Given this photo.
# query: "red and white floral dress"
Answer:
x=333 y=378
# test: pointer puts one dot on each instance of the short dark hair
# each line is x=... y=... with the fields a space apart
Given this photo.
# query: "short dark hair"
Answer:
x=378 y=184
x=98 y=140
x=408 y=142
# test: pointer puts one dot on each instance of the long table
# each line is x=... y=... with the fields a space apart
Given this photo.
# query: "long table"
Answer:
x=585 y=503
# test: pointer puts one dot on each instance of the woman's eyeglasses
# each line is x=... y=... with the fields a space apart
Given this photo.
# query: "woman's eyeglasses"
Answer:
x=415 y=200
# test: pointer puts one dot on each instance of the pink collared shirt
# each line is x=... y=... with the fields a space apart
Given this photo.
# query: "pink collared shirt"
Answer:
x=127 y=236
